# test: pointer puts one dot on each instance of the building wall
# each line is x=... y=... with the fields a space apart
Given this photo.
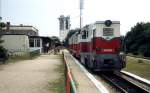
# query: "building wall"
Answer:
x=16 y=44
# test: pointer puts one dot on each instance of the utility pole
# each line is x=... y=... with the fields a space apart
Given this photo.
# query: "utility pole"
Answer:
x=0 y=10
x=81 y=16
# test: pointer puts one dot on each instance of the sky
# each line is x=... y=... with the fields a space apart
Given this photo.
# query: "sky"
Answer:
x=44 y=14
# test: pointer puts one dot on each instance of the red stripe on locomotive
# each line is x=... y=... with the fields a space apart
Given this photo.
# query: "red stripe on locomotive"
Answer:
x=103 y=46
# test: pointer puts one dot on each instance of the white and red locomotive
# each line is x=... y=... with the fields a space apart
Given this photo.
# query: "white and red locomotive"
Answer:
x=98 y=46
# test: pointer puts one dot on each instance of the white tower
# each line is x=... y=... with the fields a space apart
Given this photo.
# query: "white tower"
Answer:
x=64 y=26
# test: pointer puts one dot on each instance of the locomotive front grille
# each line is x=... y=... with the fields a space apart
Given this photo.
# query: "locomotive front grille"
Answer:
x=108 y=63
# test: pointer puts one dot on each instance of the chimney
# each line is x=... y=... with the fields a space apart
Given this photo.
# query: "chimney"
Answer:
x=8 y=26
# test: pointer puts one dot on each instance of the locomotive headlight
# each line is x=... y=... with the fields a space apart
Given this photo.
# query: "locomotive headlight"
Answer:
x=108 y=23
x=121 y=53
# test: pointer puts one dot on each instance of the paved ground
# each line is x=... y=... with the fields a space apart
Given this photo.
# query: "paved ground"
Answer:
x=29 y=76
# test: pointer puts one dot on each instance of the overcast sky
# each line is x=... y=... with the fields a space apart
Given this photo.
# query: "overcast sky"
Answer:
x=43 y=14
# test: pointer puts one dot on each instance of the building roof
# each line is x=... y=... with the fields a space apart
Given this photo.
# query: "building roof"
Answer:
x=21 y=28
x=102 y=22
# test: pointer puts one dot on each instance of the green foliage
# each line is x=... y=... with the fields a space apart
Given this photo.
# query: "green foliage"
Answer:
x=70 y=33
x=3 y=51
x=3 y=54
x=55 y=41
x=2 y=24
x=138 y=39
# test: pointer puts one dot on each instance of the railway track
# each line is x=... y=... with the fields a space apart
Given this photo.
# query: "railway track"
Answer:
x=123 y=82
x=125 y=85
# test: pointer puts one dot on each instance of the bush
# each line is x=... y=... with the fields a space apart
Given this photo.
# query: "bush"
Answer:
x=137 y=40
x=3 y=54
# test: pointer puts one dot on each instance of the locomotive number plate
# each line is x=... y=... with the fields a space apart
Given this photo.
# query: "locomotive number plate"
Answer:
x=107 y=50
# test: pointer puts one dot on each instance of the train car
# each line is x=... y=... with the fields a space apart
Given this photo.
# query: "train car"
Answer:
x=99 y=46
x=73 y=44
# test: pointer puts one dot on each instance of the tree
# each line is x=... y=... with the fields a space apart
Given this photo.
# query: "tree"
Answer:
x=3 y=51
x=70 y=33
x=55 y=41
x=137 y=40
x=2 y=24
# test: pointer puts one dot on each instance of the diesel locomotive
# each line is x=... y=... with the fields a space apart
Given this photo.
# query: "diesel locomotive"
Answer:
x=99 y=46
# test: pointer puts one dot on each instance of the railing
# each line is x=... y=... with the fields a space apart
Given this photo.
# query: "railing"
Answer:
x=69 y=82
x=35 y=53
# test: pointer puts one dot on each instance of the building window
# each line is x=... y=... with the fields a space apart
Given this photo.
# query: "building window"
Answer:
x=31 y=42
x=61 y=24
x=67 y=24
x=38 y=42
x=84 y=34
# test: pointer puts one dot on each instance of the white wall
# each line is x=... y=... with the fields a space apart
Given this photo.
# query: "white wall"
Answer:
x=16 y=44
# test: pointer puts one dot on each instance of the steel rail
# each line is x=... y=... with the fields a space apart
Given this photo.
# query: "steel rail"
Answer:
x=134 y=80
x=122 y=84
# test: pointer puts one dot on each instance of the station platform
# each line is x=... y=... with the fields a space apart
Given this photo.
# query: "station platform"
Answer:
x=30 y=76
x=83 y=80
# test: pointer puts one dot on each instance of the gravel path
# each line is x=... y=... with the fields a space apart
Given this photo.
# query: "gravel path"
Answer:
x=29 y=76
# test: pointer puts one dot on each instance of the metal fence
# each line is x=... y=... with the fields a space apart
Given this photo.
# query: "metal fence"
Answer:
x=35 y=53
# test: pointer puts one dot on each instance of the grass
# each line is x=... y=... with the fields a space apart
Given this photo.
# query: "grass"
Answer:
x=14 y=59
x=58 y=85
x=17 y=58
x=139 y=67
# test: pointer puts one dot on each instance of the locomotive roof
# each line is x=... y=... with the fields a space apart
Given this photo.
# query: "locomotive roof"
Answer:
x=102 y=22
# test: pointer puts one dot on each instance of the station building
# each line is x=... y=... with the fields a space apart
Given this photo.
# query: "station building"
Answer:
x=22 y=39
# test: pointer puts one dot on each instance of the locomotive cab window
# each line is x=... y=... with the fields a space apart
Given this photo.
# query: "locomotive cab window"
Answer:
x=84 y=34
x=108 y=31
